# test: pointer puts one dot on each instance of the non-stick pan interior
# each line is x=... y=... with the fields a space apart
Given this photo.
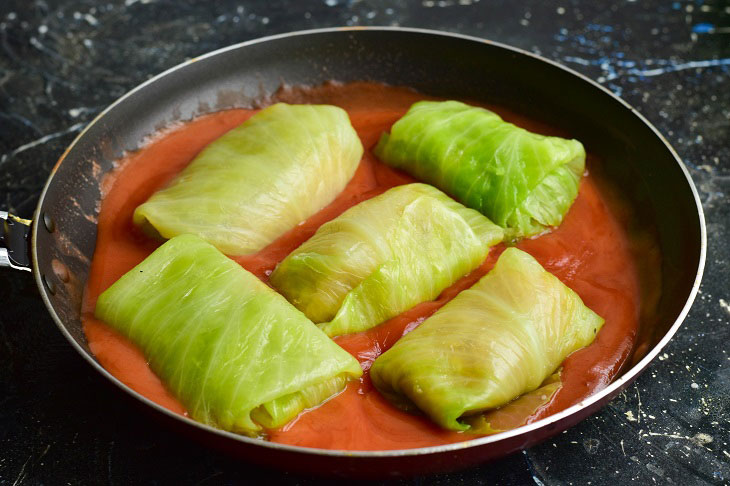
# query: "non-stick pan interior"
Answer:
x=637 y=160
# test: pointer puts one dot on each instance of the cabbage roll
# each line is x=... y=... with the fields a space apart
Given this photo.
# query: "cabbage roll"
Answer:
x=518 y=412
x=492 y=343
x=236 y=353
x=259 y=180
x=522 y=181
x=384 y=256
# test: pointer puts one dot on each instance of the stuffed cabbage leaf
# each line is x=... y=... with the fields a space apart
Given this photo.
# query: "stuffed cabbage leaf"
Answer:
x=522 y=181
x=259 y=180
x=492 y=343
x=236 y=353
x=384 y=256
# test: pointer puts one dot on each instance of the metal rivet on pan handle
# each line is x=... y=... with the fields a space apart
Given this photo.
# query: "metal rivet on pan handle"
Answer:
x=49 y=223
x=50 y=286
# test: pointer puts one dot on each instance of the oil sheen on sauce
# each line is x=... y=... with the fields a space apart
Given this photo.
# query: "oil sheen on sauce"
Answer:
x=589 y=252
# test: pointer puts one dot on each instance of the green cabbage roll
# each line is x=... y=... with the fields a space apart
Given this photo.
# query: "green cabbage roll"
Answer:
x=259 y=180
x=236 y=353
x=492 y=343
x=522 y=181
x=383 y=256
x=516 y=413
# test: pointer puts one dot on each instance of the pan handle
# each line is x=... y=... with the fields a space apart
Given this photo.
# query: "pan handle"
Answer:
x=14 y=242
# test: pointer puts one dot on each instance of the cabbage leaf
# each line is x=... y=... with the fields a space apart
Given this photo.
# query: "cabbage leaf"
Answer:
x=259 y=180
x=522 y=181
x=492 y=343
x=384 y=256
x=236 y=354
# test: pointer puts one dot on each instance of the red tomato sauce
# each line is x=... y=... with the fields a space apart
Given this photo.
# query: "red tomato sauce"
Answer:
x=590 y=252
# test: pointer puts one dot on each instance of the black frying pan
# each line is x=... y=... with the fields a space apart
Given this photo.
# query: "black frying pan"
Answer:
x=638 y=161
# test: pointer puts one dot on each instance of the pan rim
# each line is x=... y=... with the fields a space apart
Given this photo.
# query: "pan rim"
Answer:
x=613 y=388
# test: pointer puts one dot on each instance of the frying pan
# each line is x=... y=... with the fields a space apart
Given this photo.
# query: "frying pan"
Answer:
x=59 y=243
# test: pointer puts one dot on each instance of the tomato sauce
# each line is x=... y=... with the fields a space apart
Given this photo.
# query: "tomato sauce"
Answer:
x=590 y=252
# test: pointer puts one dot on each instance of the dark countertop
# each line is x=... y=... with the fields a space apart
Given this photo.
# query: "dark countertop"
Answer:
x=61 y=62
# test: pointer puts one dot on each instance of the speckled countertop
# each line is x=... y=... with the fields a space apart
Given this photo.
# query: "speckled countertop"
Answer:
x=61 y=62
